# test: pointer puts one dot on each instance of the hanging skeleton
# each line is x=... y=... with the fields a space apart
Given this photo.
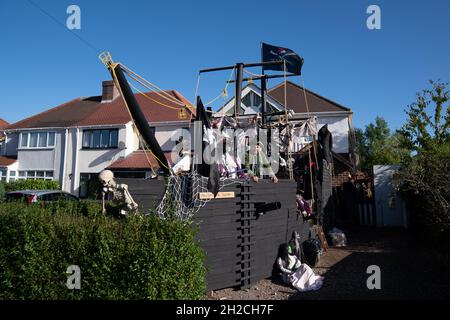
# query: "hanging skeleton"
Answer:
x=119 y=192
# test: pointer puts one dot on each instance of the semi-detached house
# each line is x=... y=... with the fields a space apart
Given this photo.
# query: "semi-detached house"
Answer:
x=73 y=142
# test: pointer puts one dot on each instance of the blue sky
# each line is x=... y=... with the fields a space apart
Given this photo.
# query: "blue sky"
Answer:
x=374 y=72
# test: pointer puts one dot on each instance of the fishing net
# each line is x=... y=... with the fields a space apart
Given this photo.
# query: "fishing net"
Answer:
x=182 y=199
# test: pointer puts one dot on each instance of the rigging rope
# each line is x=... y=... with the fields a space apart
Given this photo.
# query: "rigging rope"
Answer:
x=253 y=74
x=224 y=92
x=151 y=86
x=197 y=87
x=64 y=26
x=308 y=113
x=156 y=101
x=290 y=164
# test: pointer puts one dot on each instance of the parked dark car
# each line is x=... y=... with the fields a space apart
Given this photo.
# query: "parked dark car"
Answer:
x=32 y=196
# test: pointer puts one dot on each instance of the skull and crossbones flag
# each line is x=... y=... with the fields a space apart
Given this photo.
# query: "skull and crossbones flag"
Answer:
x=293 y=63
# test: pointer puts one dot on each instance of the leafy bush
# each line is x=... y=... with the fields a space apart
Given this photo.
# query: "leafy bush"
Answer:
x=426 y=186
x=135 y=257
x=29 y=184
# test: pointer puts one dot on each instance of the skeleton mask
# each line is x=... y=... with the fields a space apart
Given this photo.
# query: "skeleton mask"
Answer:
x=106 y=177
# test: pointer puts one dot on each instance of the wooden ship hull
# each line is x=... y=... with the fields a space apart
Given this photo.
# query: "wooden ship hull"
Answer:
x=240 y=245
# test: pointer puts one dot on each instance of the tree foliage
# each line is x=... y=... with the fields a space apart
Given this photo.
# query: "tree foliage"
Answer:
x=428 y=119
x=377 y=145
x=425 y=176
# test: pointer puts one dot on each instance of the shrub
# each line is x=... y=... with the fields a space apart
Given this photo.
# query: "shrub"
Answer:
x=2 y=190
x=135 y=257
x=426 y=186
x=29 y=184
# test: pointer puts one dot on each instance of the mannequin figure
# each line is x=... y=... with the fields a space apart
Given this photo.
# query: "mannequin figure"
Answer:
x=295 y=273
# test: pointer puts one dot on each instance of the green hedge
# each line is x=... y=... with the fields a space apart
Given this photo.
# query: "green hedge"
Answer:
x=2 y=191
x=135 y=257
x=29 y=184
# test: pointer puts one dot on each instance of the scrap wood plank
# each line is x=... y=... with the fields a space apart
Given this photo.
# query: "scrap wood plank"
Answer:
x=220 y=195
x=322 y=238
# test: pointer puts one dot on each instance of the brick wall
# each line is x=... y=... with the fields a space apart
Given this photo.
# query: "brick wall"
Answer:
x=342 y=174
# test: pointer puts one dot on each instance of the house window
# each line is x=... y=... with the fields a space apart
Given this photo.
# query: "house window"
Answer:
x=51 y=139
x=24 y=140
x=12 y=176
x=3 y=174
x=33 y=140
x=35 y=175
x=247 y=100
x=100 y=139
x=251 y=103
x=41 y=139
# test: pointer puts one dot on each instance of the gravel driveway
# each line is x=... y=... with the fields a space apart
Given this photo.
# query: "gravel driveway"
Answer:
x=406 y=272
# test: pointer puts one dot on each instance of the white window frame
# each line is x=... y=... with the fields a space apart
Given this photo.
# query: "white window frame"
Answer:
x=12 y=175
x=28 y=134
x=45 y=175
x=91 y=132
x=4 y=177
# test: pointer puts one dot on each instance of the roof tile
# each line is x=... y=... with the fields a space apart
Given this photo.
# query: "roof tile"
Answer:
x=138 y=160
x=295 y=98
x=6 y=161
x=3 y=124
x=91 y=112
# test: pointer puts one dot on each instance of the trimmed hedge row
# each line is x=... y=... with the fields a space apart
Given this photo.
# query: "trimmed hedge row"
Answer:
x=134 y=257
x=29 y=184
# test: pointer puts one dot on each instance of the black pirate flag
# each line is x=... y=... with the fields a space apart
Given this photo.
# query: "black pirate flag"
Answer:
x=294 y=62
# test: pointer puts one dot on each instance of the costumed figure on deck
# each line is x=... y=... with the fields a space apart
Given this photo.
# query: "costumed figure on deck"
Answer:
x=258 y=165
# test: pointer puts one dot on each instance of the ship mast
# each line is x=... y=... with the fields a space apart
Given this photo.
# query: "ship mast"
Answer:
x=135 y=111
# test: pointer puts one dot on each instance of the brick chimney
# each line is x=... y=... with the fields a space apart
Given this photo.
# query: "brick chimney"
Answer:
x=109 y=92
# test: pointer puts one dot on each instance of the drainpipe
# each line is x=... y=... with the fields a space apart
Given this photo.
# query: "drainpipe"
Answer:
x=4 y=143
x=64 y=161
x=75 y=161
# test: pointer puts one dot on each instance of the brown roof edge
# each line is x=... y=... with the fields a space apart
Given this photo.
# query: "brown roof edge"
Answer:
x=311 y=92
x=6 y=161
x=18 y=123
x=3 y=123
x=184 y=100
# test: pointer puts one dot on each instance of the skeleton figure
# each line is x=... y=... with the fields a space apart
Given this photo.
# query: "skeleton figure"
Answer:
x=119 y=192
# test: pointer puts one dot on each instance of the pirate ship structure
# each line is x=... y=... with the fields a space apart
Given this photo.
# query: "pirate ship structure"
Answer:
x=244 y=214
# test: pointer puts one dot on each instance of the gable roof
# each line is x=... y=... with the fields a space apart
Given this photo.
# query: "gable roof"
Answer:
x=295 y=97
x=246 y=90
x=91 y=111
